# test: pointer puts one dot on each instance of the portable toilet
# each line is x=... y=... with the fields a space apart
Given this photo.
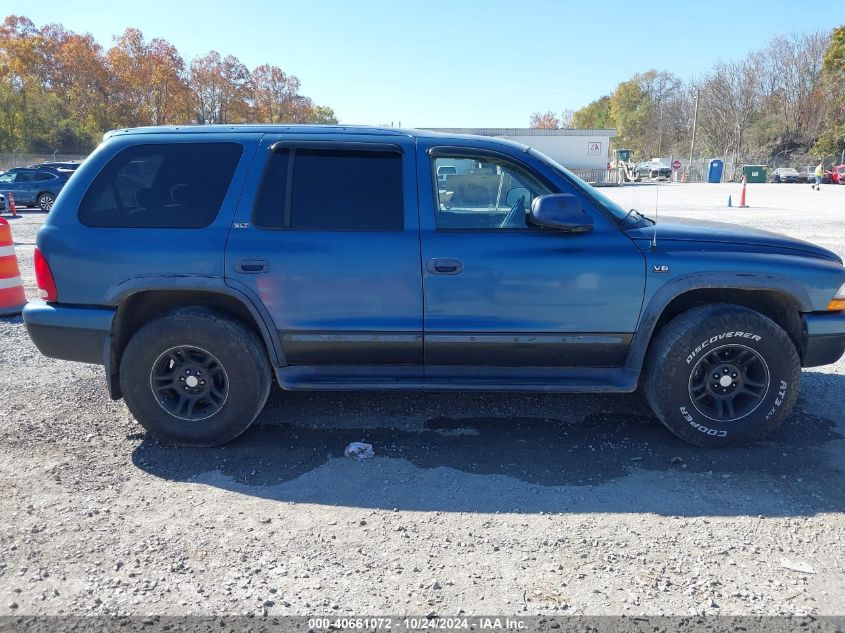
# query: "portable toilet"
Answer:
x=754 y=173
x=714 y=170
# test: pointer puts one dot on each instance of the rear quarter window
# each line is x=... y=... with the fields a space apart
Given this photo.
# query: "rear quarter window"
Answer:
x=175 y=185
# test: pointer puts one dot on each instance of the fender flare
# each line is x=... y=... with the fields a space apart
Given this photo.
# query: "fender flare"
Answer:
x=702 y=281
x=119 y=292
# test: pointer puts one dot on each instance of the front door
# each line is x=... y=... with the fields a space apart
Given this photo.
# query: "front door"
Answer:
x=13 y=183
x=501 y=293
x=330 y=245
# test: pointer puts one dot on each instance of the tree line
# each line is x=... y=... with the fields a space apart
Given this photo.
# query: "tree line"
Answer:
x=782 y=105
x=62 y=90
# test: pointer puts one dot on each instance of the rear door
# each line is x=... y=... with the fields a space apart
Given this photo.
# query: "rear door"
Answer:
x=41 y=181
x=327 y=237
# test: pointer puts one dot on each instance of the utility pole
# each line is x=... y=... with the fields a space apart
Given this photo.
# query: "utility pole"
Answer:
x=694 y=121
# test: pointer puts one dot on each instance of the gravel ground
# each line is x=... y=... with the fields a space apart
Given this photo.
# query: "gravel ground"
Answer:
x=494 y=504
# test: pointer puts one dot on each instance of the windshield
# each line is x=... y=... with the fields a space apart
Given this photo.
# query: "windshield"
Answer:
x=590 y=191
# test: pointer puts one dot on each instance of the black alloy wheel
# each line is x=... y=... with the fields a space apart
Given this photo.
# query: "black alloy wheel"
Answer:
x=189 y=383
x=729 y=383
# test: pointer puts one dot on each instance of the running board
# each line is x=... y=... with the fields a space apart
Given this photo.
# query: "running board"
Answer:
x=457 y=378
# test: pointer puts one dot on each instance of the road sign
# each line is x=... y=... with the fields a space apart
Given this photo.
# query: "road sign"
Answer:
x=676 y=164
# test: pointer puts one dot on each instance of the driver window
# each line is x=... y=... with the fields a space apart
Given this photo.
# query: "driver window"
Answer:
x=483 y=193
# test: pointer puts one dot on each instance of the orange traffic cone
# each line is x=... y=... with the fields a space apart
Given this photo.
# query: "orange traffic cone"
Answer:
x=12 y=297
x=742 y=195
x=12 y=206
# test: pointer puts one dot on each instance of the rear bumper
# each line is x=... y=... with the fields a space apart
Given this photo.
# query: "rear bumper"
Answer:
x=824 y=338
x=70 y=333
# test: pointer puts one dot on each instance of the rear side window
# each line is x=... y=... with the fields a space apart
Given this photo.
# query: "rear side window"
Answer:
x=177 y=185
x=334 y=189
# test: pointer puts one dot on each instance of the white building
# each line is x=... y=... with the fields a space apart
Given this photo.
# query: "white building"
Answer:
x=574 y=149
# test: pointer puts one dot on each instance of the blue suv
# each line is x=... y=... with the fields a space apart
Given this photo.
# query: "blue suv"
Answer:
x=34 y=187
x=197 y=263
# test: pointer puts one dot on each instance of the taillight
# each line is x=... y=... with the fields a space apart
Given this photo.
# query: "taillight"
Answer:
x=44 y=277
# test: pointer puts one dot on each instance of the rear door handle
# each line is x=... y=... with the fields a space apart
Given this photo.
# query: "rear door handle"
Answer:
x=253 y=266
x=444 y=266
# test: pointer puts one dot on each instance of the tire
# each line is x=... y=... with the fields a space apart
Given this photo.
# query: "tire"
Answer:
x=45 y=201
x=194 y=354
x=700 y=345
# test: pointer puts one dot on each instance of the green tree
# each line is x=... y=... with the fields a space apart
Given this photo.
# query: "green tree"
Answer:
x=324 y=114
x=595 y=115
x=831 y=141
x=631 y=108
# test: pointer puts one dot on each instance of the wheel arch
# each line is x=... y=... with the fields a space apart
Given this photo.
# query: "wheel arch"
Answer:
x=140 y=300
x=780 y=300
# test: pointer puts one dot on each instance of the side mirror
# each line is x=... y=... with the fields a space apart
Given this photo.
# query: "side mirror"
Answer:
x=561 y=211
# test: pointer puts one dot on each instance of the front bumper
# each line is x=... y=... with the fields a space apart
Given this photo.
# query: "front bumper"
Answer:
x=824 y=338
x=70 y=333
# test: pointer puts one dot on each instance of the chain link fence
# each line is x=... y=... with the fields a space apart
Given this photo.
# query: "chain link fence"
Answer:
x=24 y=159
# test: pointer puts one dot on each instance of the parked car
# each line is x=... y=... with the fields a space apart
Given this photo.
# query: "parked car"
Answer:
x=442 y=172
x=67 y=165
x=653 y=171
x=837 y=174
x=34 y=187
x=786 y=174
x=810 y=177
x=236 y=254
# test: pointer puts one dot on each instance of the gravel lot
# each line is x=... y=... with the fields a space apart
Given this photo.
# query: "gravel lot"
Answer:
x=493 y=504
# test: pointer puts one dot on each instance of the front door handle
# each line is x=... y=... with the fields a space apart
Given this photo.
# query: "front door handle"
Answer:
x=444 y=266
x=253 y=265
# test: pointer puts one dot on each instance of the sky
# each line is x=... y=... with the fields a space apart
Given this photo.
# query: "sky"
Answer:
x=449 y=63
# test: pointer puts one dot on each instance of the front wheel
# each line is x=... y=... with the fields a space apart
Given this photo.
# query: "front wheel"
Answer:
x=194 y=377
x=722 y=374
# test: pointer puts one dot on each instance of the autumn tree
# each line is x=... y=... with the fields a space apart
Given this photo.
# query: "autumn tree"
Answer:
x=546 y=120
x=60 y=89
x=149 y=83
x=22 y=70
x=274 y=93
x=222 y=89
x=77 y=73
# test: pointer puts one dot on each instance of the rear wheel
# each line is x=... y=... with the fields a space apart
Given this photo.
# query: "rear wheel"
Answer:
x=722 y=374
x=45 y=201
x=194 y=377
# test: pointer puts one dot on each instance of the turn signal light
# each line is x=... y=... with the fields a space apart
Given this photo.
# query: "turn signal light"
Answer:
x=838 y=301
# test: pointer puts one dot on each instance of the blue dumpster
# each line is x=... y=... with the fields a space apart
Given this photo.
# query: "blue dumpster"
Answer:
x=714 y=170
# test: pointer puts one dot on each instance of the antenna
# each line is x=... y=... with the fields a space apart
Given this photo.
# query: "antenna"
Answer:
x=656 y=199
